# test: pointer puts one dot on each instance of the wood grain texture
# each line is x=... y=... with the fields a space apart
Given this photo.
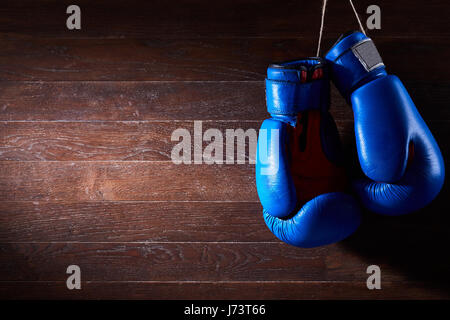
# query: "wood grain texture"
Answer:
x=125 y=181
x=220 y=290
x=132 y=101
x=140 y=141
x=85 y=173
x=150 y=141
x=40 y=59
x=183 y=262
x=124 y=221
x=238 y=19
x=139 y=101
x=161 y=221
x=127 y=141
x=209 y=262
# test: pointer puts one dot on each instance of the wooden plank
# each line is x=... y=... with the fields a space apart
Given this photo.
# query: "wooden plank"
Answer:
x=140 y=141
x=132 y=221
x=149 y=141
x=132 y=101
x=184 y=262
x=78 y=181
x=195 y=59
x=193 y=18
x=160 y=261
x=155 y=221
x=221 y=290
x=207 y=261
x=141 y=101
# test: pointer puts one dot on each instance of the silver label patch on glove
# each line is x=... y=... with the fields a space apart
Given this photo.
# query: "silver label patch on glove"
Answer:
x=367 y=54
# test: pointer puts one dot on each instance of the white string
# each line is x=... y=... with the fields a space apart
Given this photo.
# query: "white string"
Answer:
x=357 y=17
x=324 y=5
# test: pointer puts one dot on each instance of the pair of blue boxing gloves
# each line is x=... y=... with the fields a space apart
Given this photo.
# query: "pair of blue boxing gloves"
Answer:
x=307 y=197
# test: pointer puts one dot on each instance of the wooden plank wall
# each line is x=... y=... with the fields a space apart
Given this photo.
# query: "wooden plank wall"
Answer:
x=85 y=171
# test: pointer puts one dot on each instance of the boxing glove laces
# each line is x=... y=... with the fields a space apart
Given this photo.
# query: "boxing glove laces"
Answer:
x=399 y=156
x=299 y=178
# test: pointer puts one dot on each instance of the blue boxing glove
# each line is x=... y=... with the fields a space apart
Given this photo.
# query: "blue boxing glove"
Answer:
x=396 y=150
x=300 y=182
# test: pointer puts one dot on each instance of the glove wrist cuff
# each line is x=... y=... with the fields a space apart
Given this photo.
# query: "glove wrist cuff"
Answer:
x=290 y=98
x=296 y=86
x=354 y=60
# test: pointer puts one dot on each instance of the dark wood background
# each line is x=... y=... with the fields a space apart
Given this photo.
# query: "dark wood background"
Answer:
x=85 y=171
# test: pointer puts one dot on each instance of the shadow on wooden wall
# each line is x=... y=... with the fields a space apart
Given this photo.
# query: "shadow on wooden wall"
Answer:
x=416 y=245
